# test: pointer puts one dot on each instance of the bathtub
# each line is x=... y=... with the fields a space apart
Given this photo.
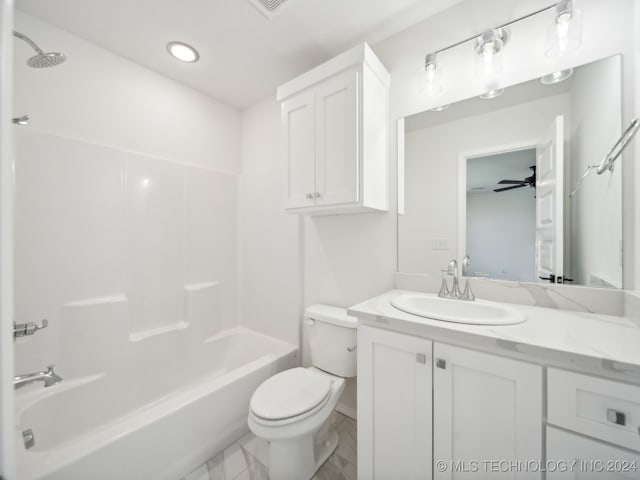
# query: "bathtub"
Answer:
x=153 y=419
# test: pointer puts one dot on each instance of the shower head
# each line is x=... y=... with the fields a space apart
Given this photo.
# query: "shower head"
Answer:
x=42 y=59
x=45 y=60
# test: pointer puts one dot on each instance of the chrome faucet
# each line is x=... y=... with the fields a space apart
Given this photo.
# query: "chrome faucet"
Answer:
x=452 y=269
x=49 y=377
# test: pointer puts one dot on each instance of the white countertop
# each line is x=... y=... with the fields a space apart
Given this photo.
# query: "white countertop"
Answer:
x=610 y=342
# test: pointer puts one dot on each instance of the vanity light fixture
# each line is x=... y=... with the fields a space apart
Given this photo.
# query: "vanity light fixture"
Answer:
x=563 y=36
x=488 y=47
x=492 y=94
x=556 y=77
x=432 y=75
x=183 y=52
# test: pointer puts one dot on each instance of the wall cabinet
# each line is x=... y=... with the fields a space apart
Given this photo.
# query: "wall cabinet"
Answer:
x=334 y=126
x=430 y=410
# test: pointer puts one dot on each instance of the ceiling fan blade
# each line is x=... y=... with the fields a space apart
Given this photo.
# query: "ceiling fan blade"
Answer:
x=509 y=188
x=511 y=182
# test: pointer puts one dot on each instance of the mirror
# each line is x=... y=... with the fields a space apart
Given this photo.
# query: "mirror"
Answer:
x=492 y=178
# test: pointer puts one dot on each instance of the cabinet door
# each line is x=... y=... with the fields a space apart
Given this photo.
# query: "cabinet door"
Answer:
x=485 y=409
x=337 y=161
x=298 y=142
x=571 y=456
x=394 y=406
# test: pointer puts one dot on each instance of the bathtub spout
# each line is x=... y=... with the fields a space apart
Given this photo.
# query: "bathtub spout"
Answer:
x=49 y=377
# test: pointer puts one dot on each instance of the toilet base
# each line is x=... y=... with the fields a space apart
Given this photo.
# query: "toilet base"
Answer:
x=301 y=458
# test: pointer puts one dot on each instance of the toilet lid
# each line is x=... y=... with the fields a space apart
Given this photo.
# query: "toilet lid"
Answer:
x=289 y=394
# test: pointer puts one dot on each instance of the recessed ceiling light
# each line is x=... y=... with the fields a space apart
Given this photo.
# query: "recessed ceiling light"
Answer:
x=556 y=77
x=183 y=52
x=492 y=94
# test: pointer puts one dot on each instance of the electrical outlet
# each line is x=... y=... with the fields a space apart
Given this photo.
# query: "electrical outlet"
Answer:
x=439 y=244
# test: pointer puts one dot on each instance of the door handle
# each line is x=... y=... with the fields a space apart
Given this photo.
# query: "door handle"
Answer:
x=551 y=278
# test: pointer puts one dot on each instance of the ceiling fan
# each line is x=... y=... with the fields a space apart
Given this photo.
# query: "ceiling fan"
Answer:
x=527 y=182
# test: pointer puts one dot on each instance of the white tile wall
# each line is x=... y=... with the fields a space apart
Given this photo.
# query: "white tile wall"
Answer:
x=96 y=222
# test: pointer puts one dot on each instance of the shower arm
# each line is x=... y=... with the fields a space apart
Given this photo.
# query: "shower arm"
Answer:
x=29 y=41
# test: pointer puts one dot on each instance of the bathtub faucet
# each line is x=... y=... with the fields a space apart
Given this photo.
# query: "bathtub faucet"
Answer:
x=49 y=378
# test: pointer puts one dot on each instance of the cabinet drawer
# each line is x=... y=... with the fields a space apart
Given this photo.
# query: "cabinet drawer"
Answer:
x=600 y=408
x=571 y=456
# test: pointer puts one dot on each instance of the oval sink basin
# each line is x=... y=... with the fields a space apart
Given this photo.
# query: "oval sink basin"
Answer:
x=478 y=312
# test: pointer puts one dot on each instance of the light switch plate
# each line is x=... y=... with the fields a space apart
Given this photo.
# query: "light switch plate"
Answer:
x=439 y=244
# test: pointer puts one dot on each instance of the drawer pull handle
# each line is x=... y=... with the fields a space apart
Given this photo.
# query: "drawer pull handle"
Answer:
x=616 y=417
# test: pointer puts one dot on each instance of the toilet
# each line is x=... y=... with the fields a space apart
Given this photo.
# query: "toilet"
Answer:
x=291 y=409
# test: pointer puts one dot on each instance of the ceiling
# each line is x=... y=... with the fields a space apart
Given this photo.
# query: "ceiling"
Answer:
x=244 y=56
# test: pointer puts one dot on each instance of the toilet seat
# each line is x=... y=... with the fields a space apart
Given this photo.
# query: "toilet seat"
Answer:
x=290 y=396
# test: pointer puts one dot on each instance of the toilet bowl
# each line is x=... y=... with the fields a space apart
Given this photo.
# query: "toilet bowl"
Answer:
x=291 y=410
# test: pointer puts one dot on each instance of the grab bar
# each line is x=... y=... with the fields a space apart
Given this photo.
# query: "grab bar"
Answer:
x=609 y=159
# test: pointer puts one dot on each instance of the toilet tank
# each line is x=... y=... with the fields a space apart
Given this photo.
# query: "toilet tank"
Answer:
x=333 y=338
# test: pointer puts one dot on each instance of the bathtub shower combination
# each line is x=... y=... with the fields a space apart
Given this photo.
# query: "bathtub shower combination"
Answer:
x=144 y=422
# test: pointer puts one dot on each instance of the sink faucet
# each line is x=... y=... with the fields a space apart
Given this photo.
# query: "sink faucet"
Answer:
x=49 y=378
x=452 y=269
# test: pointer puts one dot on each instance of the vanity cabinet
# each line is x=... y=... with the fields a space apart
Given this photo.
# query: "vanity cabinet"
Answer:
x=486 y=408
x=605 y=410
x=394 y=405
x=334 y=127
x=422 y=403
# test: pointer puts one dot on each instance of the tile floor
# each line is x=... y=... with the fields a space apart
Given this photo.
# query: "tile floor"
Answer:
x=247 y=459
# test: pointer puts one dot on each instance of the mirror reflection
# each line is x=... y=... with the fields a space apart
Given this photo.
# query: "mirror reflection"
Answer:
x=487 y=181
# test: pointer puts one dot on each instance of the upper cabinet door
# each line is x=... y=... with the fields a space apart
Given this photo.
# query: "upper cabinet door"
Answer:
x=484 y=408
x=298 y=141
x=394 y=406
x=337 y=161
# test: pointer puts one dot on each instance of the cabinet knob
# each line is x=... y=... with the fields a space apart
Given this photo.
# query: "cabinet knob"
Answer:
x=316 y=195
x=440 y=363
x=308 y=196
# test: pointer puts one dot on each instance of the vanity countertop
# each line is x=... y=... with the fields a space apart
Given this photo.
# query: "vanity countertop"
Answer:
x=566 y=337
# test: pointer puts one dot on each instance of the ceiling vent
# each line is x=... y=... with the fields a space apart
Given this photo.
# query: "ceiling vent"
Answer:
x=268 y=7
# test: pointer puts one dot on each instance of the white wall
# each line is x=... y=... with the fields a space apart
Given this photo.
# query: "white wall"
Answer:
x=501 y=234
x=431 y=180
x=631 y=201
x=271 y=281
x=126 y=183
x=596 y=231
x=7 y=461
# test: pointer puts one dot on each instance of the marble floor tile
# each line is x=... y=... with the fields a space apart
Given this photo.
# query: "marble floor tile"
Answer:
x=248 y=458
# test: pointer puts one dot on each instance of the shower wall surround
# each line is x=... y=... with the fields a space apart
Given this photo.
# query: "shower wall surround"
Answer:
x=126 y=204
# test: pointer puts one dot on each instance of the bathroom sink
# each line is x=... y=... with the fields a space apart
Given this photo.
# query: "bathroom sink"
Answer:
x=478 y=312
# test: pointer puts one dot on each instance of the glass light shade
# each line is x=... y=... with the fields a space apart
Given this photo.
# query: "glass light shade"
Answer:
x=556 y=77
x=431 y=77
x=492 y=94
x=489 y=55
x=565 y=35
